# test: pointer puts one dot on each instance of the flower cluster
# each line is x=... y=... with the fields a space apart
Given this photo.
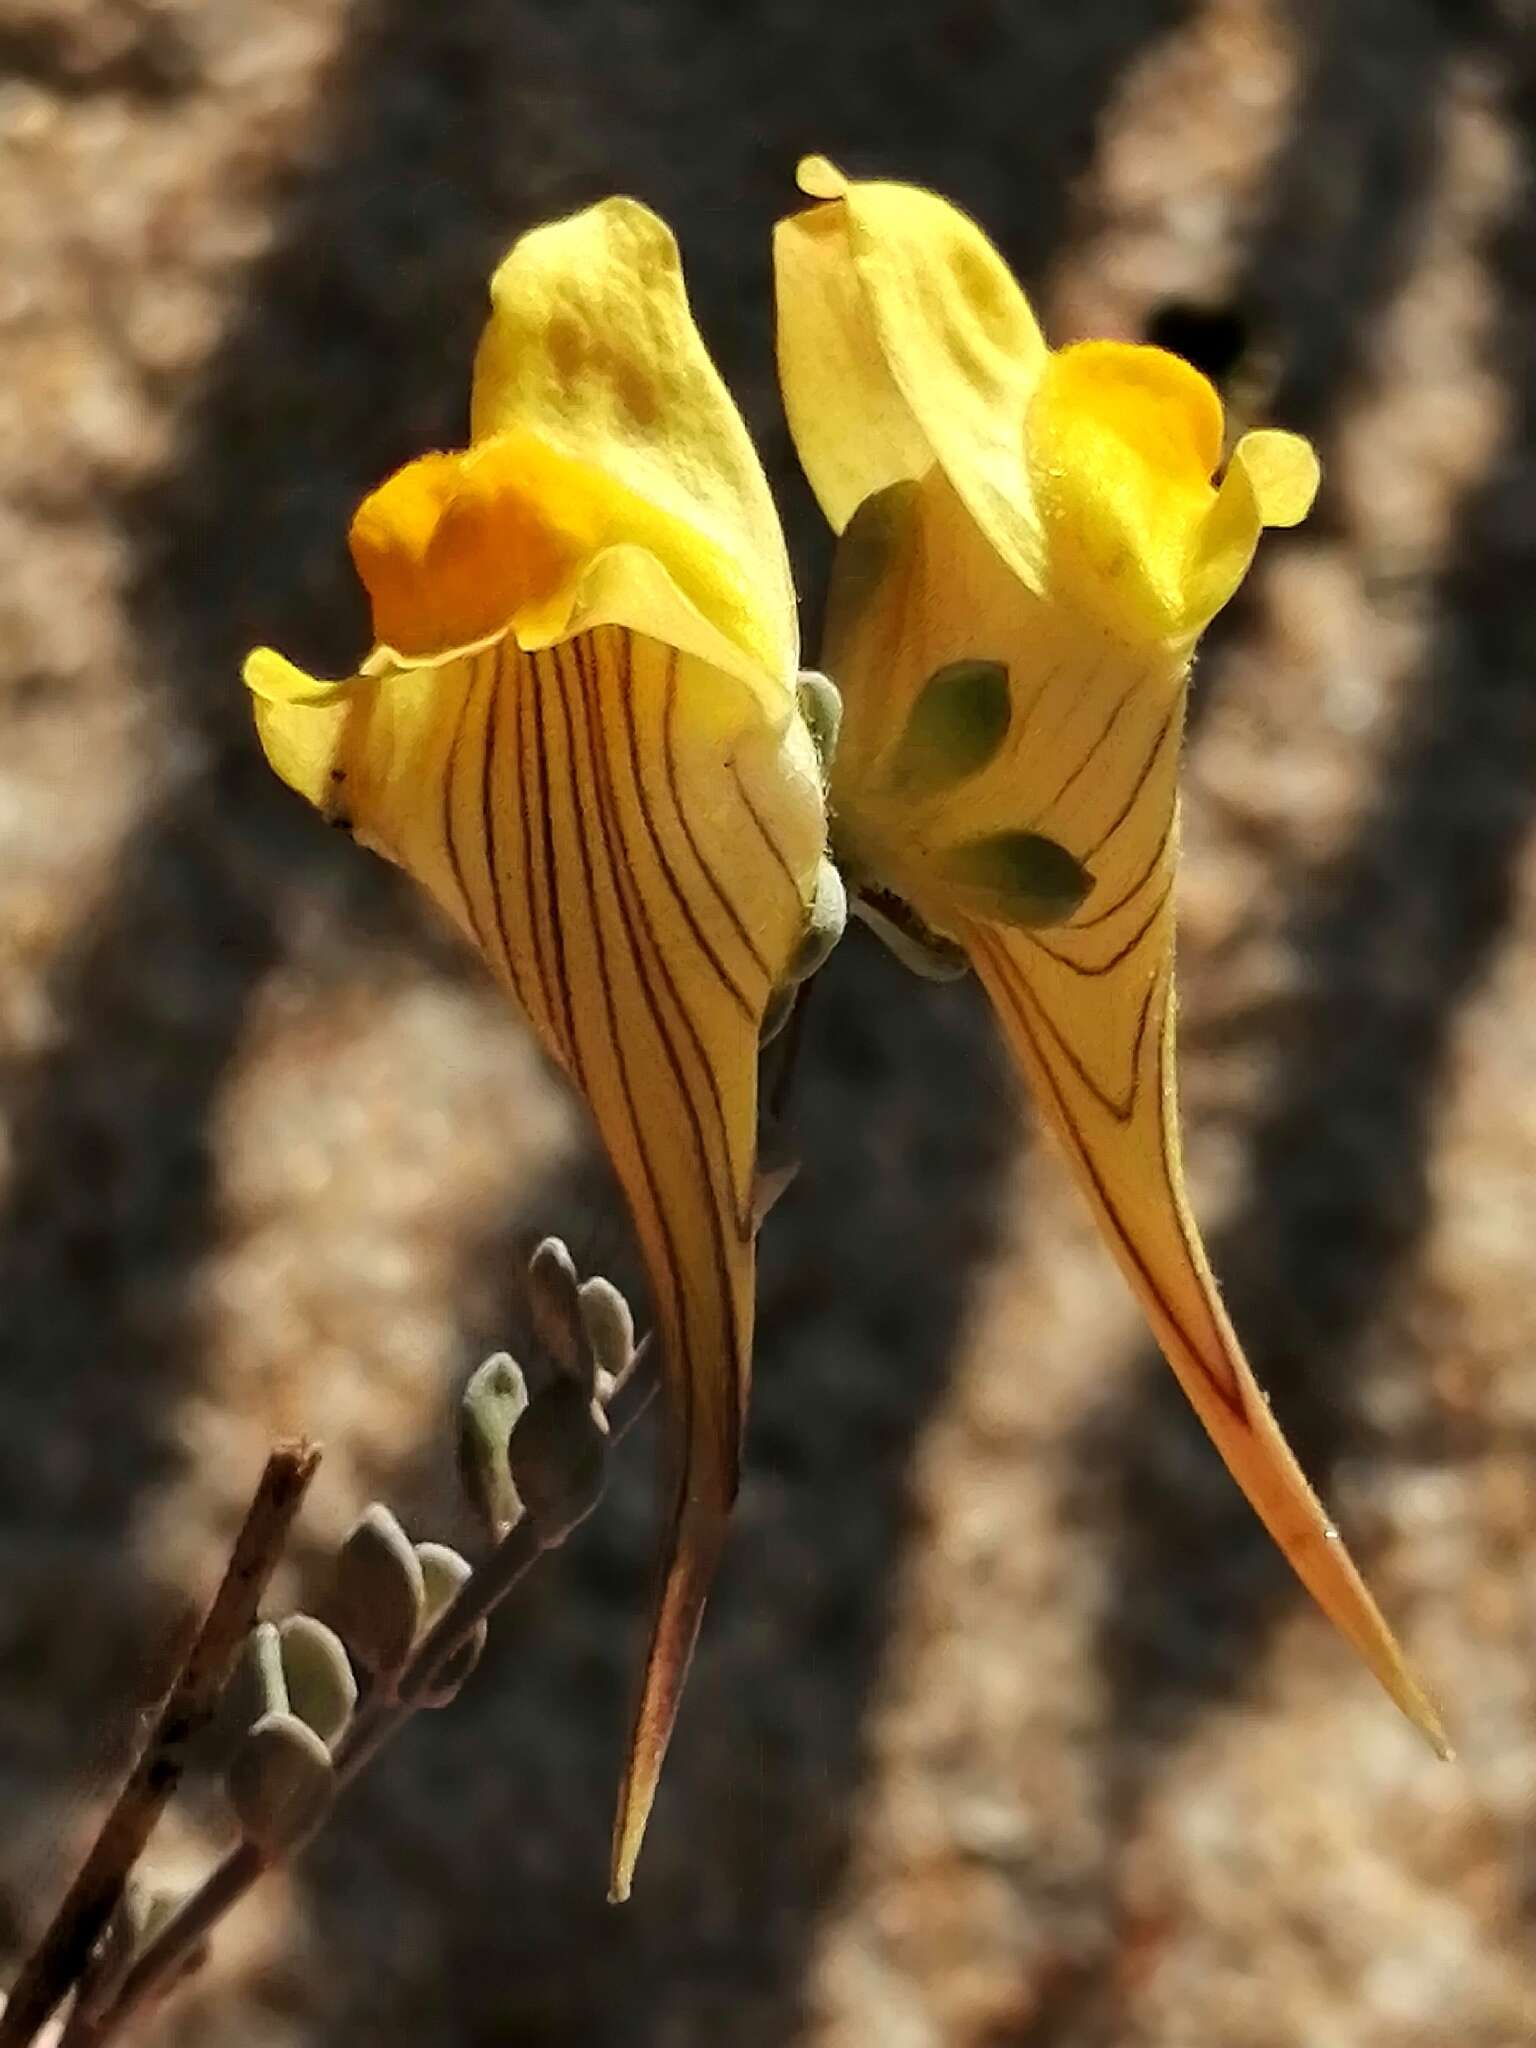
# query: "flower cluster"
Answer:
x=584 y=730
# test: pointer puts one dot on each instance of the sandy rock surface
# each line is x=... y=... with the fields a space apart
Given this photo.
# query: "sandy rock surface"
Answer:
x=1008 y=1728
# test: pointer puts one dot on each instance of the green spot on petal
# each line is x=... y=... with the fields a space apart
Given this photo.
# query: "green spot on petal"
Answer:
x=1017 y=878
x=956 y=726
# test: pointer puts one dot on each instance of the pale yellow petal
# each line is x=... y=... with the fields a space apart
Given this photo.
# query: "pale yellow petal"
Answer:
x=1271 y=480
x=509 y=536
x=853 y=430
x=633 y=847
x=301 y=721
x=1122 y=445
x=1090 y=760
x=1089 y=1014
x=819 y=178
x=631 y=585
x=591 y=347
x=960 y=349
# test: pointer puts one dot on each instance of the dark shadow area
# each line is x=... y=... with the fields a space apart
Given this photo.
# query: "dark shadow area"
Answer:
x=439 y=134
x=1214 y=338
x=1340 y=225
x=132 y=51
x=1342 y=213
x=1395 y=937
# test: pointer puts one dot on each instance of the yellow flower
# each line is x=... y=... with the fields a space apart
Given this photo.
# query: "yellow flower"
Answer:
x=578 y=730
x=1032 y=544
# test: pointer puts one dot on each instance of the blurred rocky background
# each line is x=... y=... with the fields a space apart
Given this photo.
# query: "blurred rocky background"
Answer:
x=1008 y=1729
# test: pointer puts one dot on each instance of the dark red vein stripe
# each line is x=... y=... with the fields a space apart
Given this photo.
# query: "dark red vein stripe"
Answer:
x=672 y=1278
x=1103 y=967
x=776 y=852
x=1110 y=723
x=490 y=835
x=740 y=1200
x=1137 y=786
x=539 y=697
x=752 y=1012
x=607 y=819
x=669 y=756
x=516 y=704
x=450 y=840
x=1019 y=731
x=1230 y=1397
x=1121 y=1108
x=1082 y=685
x=1128 y=896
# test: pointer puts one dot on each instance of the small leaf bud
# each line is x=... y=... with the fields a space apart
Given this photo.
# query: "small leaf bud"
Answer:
x=379 y=1592
x=821 y=706
x=280 y=1783
x=494 y=1399
x=553 y=1291
x=322 y=1689
x=828 y=920
x=264 y=1668
x=609 y=1324
x=445 y=1572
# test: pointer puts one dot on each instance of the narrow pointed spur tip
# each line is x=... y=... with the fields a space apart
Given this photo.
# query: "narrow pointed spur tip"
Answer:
x=1421 y=1710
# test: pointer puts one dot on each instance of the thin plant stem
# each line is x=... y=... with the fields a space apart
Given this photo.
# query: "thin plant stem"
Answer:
x=172 y=1949
x=56 y=1962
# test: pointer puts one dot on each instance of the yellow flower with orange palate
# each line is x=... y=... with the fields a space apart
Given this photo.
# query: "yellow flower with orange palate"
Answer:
x=1033 y=541
x=578 y=730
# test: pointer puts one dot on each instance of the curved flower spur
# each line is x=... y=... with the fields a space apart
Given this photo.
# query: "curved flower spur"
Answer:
x=1031 y=545
x=579 y=731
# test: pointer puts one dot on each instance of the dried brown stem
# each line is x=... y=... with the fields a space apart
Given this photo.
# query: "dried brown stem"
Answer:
x=55 y=1964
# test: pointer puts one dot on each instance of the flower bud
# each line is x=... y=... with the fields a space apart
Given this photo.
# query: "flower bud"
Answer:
x=828 y=919
x=140 y=1912
x=609 y=1325
x=553 y=1298
x=492 y=1403
x=821 y=706
x=280 y=1783
x=445 y=1572
x=264 y=1682
x=322 y=1689
x=379 y=1593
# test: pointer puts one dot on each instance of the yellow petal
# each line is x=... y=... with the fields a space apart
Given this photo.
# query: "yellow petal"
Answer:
x=1271 y=480
x=633 y=848
x=855 y=433
x=904 y=340
x=455 y=549
x=1089 y=1014
x=1122 y=444
x=592 y=349
x=819 y=178
x=1090 y=761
